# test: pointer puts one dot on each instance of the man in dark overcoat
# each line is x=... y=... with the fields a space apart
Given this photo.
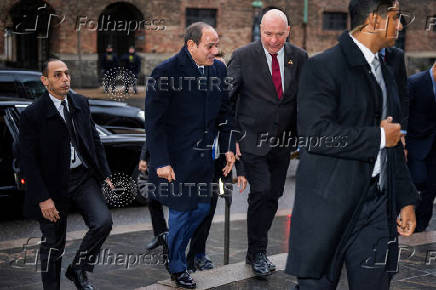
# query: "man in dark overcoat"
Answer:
x=64 y=164
x=352 y=182
x=186 y=107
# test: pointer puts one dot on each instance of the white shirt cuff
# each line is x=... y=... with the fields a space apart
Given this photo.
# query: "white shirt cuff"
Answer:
x=383 y=139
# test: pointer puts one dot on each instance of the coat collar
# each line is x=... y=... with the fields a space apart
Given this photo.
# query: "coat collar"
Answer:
x=51 y=110
x=351 y=51
x=187 y=64
x=355 y=58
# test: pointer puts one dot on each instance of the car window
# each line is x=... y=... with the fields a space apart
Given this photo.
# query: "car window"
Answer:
x=8 y=86
x=32 y=85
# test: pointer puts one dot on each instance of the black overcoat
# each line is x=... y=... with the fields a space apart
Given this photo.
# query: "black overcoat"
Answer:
x=45 y=150
x=339 y=113
x=184 y=113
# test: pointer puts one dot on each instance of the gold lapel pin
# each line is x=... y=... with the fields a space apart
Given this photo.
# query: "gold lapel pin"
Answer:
x=290 y=61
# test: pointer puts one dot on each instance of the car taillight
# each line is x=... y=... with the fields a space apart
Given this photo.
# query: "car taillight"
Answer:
x=23 y=181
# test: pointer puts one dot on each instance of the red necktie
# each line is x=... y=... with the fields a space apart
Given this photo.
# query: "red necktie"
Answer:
x=276 y=77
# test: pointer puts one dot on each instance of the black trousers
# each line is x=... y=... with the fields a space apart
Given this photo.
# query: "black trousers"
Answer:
x=427 y=189
x=157 y=217
x=85 y=194
x=366 y=251
x=267 y=176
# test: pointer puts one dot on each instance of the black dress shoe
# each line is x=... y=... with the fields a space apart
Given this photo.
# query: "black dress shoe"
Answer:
x=79 y=278
x=271 y=266
x=203 y=263
x=163 y=240
x=156 y=241
x=259 y=264
x=183 y=279
x=153 y=244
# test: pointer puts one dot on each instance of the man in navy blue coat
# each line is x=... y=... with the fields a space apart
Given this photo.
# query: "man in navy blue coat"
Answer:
x=186 y=107
x=421 y=142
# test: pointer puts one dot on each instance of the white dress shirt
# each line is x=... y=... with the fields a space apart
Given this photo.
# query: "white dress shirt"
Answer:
x=281 y=60
x=369 y=56
x=75 y=160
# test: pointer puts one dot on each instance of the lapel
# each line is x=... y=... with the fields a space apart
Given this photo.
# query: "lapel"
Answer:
x=53 y=116
x=76 y=118
x=289 y=67
x=264 y=70
x=356 y=60
x=73 y=105
x=51 y=111
x=390 y=92
x=428 y=85
x=210 y=71
x=186 y=64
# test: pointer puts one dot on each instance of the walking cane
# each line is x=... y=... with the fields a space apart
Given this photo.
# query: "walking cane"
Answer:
x=226 y=193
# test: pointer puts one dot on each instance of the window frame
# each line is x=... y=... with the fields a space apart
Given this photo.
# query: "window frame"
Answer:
x=329 y=17
x=199 y=17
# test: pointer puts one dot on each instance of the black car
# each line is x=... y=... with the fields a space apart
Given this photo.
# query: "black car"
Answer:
x=122 y=146
x=24 y=84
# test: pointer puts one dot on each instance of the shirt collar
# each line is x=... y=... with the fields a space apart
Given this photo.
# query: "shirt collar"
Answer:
x=367 y=53
x=56 y=102
x=279 y=53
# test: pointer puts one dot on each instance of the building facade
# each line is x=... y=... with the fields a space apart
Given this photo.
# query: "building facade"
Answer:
x=79 y=31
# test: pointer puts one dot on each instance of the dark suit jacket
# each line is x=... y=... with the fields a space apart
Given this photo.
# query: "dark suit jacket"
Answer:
x=45 y=150
x=259 y=112
x=336 y=104
x=182 y=120
x=394 y=59
x=422 y=123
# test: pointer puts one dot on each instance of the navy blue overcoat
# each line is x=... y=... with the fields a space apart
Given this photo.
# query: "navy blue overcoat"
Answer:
x=184 y=113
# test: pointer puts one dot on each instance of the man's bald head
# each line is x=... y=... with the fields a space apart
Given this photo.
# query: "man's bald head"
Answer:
x=274 y=15
x=274 y=30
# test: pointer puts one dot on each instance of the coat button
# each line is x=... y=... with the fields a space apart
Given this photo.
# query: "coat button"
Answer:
x=201 y=154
